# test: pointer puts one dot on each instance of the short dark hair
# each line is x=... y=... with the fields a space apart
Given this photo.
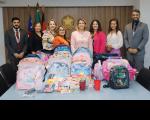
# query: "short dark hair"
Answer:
x=117 y=28
x=99 y=26
x=136 y=10
x=35 y=23
x=15 y=18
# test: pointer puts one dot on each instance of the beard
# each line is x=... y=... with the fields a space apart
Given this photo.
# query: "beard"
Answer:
x=136 y=20
x=16 y=26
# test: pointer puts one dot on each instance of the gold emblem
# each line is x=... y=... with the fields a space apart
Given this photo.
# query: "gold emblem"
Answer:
x=68 y=22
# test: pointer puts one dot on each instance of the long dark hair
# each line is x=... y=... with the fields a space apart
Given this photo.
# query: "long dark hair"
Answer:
x=99 y=26
x=61 y=26
x=117 y=27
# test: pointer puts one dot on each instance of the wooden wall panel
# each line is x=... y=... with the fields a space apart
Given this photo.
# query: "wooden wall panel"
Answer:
x=104 y=14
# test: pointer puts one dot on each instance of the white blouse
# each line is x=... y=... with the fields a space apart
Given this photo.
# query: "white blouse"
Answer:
x=116 y=40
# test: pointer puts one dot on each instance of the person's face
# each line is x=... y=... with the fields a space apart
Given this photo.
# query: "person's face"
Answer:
x=113 y=25
x=16 y=24
x=81 y=25
x=52 y=25
x=135 y=16
x=62 y=31
x=37 y=27
x=95 y=25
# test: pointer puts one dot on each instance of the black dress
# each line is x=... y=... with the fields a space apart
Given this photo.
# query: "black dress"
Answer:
x=35 y=43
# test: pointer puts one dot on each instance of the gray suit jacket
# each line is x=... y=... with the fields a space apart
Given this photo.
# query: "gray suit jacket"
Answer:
x=139 y=39
x=11 y=43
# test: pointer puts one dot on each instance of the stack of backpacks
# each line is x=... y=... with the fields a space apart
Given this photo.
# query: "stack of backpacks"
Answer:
x=82 y=63
x=30 y=74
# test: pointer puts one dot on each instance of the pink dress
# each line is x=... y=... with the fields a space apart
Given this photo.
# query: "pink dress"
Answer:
x=100 y=43
x=81 y=39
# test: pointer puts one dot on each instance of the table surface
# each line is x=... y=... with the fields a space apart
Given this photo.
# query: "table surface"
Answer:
x=135 y=92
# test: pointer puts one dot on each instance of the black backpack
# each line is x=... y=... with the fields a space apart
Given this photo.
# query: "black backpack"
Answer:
x=144 y=78
x=8 y=73
x=3 y=85
x=119 y=78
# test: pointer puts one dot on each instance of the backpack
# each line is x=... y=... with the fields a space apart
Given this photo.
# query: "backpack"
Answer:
x=30 y=74
x=109 y=63
x=144 y=78
x=119 y=78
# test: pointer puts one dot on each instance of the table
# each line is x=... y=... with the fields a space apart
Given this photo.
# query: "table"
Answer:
x=135 y=92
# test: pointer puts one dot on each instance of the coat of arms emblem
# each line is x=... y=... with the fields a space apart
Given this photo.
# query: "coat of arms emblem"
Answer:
x=68 y=22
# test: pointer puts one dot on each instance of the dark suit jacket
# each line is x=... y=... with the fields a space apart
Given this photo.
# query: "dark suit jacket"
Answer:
x=139 y=39
x=11 y=43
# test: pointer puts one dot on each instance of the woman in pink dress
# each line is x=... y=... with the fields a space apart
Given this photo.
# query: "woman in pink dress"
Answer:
x=81 y=37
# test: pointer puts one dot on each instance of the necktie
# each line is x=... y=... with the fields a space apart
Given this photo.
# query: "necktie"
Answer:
x=18 y=39
x=17 y=36
x=134 y=27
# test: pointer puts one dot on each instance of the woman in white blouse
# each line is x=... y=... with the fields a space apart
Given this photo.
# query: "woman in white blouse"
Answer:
x=114 y=37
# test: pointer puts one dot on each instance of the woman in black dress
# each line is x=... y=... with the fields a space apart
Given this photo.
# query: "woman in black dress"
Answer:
x=35 y=40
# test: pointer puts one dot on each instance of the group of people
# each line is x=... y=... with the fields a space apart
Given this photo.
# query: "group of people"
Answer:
x=135 y=37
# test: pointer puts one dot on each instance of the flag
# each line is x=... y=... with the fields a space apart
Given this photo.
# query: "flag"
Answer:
x=37 y=14
x=30 y=26
x=43 y=23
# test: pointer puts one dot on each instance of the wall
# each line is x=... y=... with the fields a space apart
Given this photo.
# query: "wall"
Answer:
x=2 y=48
x=103 y=13
x=145 y=8
x=136 y=4
x=69 y=2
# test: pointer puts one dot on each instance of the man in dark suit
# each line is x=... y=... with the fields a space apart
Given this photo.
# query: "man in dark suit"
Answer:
x=16 y=43
x=135 y=38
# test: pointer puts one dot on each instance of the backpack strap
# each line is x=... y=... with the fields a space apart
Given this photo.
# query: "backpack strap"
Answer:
x=106 y=86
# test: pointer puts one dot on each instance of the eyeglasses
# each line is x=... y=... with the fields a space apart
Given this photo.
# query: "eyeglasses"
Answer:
x=61 y=30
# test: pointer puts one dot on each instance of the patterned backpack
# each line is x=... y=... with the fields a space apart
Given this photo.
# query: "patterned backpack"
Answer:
x=119 y=78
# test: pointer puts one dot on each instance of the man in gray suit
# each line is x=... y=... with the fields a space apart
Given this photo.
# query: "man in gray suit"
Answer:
x=136 y=36
x=16 y=43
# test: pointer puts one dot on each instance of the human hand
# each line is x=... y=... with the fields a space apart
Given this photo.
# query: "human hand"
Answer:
x=135 y=51
x=33 y=52
x=21 y=55
x=16 y=55
x=132 y=51
x=109 y=48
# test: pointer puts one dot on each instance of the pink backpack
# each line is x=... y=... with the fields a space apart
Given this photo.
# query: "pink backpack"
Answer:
x=30 y=73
